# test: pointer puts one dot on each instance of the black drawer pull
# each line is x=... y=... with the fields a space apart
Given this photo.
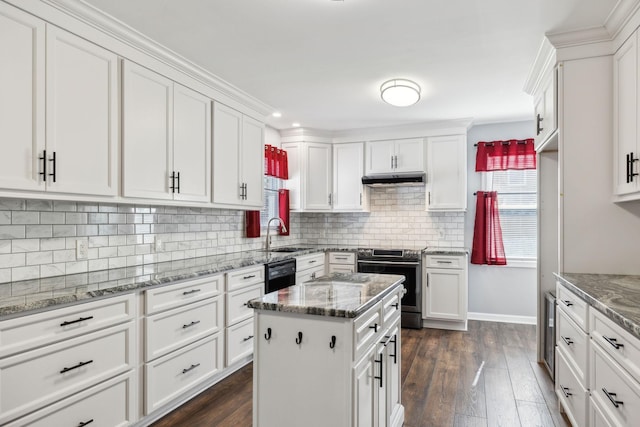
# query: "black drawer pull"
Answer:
x=374 y=327
x=247 y=338
x=444 y=262
x=192 y=291
x=396 y=305
x=341 y=257
x=249 y=276
x=85 y=423
x=79 y=365
x=565 y=391
x=567 y=302
x=381 y=370
x=195 y=322
x=567 y=340
x=395 y=349
x=611 y=396
x=71 y=322
x=613 y=342
x=312 y=261
x=184 y=371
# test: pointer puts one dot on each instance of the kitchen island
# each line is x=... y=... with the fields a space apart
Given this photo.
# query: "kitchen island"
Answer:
x=327 y=353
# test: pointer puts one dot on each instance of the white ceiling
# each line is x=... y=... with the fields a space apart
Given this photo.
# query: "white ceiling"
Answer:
x=321 y=62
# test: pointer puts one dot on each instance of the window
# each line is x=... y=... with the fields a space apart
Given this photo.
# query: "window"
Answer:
x=270 y=207
x=517 y=204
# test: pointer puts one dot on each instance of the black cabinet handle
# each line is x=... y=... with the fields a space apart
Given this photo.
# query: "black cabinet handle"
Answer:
x=184 y=371
x=313 y=261
x=173 y=182
x=71 y=322
x=374 y=327
x=85 y=423
x=613 y=342
x=299 y=339
x=192 y=291
x=178 y=179
x=249 y=276
x=628 y=168
x=247 y=338
x=44 y=165
x=567 y=341
x=395 y=349
x=632 y=160
x=195 y=322
x=396 y=305
x=391 y=162
x=539 y=128
x=53 y=160
x=611 y=397
x=79 y=365
x=567 y=302
x=565 y=391
x=381 y=370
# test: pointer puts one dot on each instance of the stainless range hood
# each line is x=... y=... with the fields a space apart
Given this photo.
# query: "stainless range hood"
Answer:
x=395 y=179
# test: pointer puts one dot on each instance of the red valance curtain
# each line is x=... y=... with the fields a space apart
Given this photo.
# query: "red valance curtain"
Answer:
x=503 y=155
x=276 y=162
x=487 y=233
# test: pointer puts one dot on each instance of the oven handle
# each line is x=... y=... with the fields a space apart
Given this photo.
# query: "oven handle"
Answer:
x=414 y=263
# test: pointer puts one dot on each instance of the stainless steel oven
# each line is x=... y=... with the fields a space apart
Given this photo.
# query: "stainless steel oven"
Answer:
x=398 y=261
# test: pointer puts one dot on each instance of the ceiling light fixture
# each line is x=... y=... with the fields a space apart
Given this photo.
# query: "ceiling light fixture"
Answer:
x=277 y=114
x=400 y=92
x=295 y=125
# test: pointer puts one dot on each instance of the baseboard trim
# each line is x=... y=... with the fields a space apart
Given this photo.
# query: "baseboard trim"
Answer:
x=503 y=318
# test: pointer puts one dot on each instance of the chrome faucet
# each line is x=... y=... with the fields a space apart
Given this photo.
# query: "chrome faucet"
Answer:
x=284 y=228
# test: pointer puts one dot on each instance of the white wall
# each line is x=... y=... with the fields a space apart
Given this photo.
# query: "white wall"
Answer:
x=497 y=292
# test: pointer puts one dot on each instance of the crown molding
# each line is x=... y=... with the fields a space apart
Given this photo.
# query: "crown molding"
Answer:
x=545 y=60
x=621 y=15
x=414 y=130
x=94 y=17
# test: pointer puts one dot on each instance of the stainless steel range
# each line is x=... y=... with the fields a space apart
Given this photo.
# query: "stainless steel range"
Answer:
x=398 y=261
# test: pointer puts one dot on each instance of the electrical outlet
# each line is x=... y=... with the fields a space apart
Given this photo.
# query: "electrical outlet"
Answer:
x=82 y=251
x=441 y=233
x=158 y=245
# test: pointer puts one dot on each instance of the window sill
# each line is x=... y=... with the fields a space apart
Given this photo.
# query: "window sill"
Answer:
x=522 y=263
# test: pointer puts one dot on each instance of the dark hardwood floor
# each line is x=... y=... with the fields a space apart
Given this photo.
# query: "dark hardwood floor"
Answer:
x=486 y=376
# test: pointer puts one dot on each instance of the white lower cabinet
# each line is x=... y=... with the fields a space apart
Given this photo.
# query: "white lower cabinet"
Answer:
x=445 y=291
x=295 y=352
x=571 y=394
x=308 y=267
x=341 y=262
x=239 y=341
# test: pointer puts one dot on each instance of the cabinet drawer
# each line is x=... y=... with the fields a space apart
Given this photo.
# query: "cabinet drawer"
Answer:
x=237 y=309
x=33 y=379
x=341 y=268
x=366 y=328
x=309 y=274
x=348 y=258
x=167 y=297
x=173 y=329
x=171 y=375
x=111 y=403
x=27 y=332
x=570 y=393
x=574 y=343
x=239 y=341
x=391 y=307
x=445 y=261
x=575 y=307
x=309 y=261
x=614 y=390
x=597 y=418
x=623 y=347
x=240 y=278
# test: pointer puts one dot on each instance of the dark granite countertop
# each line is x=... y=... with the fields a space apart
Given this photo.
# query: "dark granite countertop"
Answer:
x=445 y=251
x=336 y=295
x=616 y=296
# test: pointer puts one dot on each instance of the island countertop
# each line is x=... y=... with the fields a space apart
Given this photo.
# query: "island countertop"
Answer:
x=336 y=295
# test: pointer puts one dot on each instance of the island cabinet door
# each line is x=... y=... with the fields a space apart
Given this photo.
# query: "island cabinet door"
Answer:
x=365 y=391
x=302 y=371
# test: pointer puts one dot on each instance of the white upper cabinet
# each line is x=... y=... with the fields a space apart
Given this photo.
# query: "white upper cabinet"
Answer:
x=147 y=133
x=82 y=116
x=22 y=77
x=78 y=152
x=394 y=156
x=238 y=159
x=309 y=180
x=191 y=144
x=626 y=145
x=545 y=109
x=348 y=168
x=447 y=173
x=166 y=138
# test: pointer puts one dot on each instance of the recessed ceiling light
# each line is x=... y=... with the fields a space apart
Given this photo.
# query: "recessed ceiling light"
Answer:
x=295 y=125
x=400 y=92
x=277 y=114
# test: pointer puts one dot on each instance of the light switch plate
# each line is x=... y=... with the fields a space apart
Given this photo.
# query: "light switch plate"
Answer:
x=82 y=251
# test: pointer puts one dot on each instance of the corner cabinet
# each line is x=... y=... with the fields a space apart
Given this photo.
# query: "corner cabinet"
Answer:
x=394 y=156
x=626 y=144
x=447 y=173
x=238 y=159
x=167 y=128
x=59 y=117
x=309 y=176
x=445 y=291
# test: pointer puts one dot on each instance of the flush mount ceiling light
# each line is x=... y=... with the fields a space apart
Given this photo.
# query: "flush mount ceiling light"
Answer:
x=400 y=92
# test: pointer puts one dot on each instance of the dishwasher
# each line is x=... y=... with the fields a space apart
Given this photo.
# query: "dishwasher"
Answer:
x=279 y=274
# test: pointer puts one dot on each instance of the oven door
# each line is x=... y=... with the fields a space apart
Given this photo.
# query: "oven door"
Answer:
x=412 y=300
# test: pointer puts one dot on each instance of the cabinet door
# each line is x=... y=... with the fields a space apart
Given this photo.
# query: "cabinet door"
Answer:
x=294 y=183
x=192 y=144
x=379 y=157
x=227 y=128
x=393 y=383
x=447 y=159
x=147 y=133
x=82 y=115
x=409 y=155
x=317 y=193
x=365 y=389
x=22 y=77
x=252 y=161
x=445 y=296
x=348 y=161
x=625 y=116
